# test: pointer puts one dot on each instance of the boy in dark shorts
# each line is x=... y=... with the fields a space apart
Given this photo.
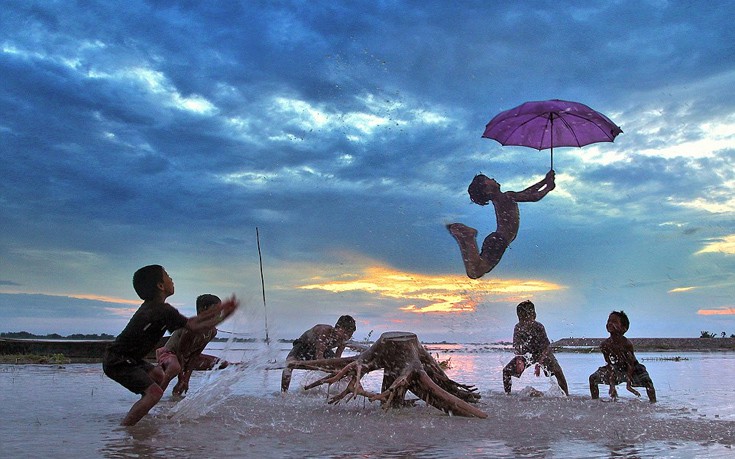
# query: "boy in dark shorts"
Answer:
x=124 y=359
x=531 y=346
x=484 y=190
x=182 y=353
x=622 y=365
x=318 y=342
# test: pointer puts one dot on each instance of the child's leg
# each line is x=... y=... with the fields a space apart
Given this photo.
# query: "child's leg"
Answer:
x=562 y=381
x=514 y=368
x=465 y=236
x=157 y=374
x=149 y=399
x=559 y=374
x=286 y=379
x=651 y=392
x=642 y=378
x=594 y=386
x=171 y=368
x=169 y=363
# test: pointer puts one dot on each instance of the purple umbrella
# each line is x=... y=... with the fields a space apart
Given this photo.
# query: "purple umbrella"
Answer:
x=551 y=123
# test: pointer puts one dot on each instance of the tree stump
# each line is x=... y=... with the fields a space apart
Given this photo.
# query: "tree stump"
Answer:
x=407 y=366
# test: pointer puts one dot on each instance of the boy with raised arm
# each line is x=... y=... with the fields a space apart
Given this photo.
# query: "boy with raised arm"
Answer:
x=124 y=359
x=482 y=191
x=182 y=353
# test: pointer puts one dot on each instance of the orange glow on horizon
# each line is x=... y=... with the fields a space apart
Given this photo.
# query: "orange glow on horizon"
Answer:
x=81 y=296
x=105 y=299
x=122 y=312
x=717 y=312
x=426 y=293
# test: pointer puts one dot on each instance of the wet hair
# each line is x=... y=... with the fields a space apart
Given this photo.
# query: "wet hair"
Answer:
x=624 y=321
x=346 y=322
x=206 y=301
x=146 y=280
x=476 y=192
x=525 y=309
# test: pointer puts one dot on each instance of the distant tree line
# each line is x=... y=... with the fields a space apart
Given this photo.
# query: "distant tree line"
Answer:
x=105 y=336
x=75 y=336
x=250 y=340
x=706 y=334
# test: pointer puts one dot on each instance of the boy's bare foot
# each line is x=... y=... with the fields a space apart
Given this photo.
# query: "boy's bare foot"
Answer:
x=461 y=231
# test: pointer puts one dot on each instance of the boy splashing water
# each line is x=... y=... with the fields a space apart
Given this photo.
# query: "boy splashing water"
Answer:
x=182 y=353
x=124 y=359
x=531 y=345
x=622 y=365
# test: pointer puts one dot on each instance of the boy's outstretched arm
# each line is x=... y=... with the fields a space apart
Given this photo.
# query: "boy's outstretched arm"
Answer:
x=536 y=191
x=214 y=315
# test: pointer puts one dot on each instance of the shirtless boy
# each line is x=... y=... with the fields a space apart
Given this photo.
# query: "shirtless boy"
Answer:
x=182 y=353
x=318 y=342
x=482 y=191
x=531 y=346
x=622 y=365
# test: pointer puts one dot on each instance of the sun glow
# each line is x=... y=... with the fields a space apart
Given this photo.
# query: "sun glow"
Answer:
x=717 y=312
x=724 y=245
x=106 y=299
x=424 y=293
x=681 y=289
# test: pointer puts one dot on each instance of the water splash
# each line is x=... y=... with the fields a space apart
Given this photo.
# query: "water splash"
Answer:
x=213 y=391
x=219 y=385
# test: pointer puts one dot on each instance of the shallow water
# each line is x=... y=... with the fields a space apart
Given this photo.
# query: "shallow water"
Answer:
x=74 y=411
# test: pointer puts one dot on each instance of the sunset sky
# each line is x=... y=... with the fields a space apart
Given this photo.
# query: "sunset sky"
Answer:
x=162 y=132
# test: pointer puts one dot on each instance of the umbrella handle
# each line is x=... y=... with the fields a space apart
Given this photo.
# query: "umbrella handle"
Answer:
x=552 y=158
x=551 y=119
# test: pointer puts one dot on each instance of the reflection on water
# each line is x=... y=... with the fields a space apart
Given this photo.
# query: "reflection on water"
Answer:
x=74 y=411
x=135 y=442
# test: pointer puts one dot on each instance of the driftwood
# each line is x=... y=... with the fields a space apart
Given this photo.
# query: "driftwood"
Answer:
x=407 y=366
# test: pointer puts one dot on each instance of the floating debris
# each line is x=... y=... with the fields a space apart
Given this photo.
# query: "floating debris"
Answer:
x=672 y=359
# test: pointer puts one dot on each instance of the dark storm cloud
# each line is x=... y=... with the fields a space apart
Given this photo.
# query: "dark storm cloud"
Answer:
x=176 y=127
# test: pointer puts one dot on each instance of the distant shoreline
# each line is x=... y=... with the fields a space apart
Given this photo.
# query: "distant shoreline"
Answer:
x=650 y=344
x=58 y=352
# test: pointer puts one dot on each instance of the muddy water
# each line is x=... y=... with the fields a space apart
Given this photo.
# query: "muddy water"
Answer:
x=74 y=411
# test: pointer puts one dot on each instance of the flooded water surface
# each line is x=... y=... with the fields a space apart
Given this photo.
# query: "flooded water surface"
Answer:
x=74 y=411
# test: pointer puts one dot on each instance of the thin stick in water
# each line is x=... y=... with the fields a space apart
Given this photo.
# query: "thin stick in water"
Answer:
x=262 y=284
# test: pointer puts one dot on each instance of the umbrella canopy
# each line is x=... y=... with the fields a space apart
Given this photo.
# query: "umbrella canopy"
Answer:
x=551 y=123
